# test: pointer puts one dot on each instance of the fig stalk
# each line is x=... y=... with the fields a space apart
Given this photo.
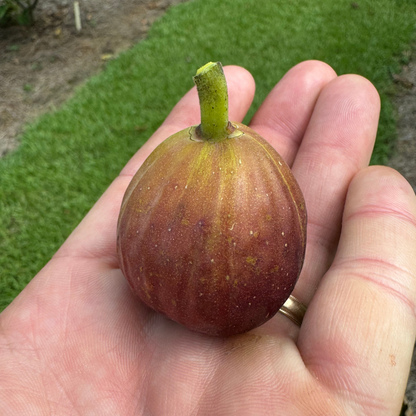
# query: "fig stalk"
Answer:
x=213 y=99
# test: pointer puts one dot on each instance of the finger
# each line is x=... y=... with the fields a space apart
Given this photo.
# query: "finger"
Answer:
x=337 y=144
x=96 y=234
x=285 y=113
x=358 y=334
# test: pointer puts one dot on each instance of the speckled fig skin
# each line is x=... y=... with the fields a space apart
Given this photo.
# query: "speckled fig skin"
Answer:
x=213 y=234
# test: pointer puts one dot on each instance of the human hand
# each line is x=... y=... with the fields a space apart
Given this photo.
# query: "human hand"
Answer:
x=76 y=340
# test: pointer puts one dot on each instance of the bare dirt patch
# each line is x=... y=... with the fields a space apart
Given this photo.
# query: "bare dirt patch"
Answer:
x=404 y=159
x=40 y=66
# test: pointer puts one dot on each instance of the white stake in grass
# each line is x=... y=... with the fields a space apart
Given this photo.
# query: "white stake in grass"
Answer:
x=77 y=16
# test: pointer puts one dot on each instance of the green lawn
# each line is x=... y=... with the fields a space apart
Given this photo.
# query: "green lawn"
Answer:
x=69 y=157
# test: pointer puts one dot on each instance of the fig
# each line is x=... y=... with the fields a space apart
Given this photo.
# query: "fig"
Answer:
x=212 y=228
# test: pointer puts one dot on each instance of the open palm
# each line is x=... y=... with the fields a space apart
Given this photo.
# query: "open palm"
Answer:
x=76 y=340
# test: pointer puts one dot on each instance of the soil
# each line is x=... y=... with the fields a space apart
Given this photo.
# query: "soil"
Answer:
x=404 y=157
x=40 y=67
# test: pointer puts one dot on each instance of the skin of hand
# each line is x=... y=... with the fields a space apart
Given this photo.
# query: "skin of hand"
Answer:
x=76 y=340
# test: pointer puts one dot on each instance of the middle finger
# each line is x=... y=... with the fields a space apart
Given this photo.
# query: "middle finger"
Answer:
x=337 y=144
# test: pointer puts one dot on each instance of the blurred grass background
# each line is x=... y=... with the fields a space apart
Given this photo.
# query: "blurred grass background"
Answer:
x=68 y=158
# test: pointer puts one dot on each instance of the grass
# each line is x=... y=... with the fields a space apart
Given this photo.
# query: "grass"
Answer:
x=69 y=157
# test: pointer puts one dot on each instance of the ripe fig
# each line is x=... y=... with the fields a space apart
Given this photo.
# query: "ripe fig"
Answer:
x=212 y=228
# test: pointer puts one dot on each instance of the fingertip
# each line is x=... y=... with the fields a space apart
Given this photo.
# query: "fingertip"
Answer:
x=364 y=85
x=316 y=68
x=343 y=126
x=377 y=172
x=285 y=113
x=241 y=90
x=357 y=97
x=380 y=186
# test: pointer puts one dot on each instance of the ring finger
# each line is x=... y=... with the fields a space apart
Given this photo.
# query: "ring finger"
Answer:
x=337 y=144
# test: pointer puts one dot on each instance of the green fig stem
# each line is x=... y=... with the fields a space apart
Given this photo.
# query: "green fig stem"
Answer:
x=213 y=100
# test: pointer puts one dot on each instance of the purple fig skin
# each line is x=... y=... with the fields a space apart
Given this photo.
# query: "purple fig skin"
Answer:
x=213 y=234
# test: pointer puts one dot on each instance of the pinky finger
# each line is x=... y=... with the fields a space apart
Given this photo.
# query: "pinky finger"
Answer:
x=359 y=331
